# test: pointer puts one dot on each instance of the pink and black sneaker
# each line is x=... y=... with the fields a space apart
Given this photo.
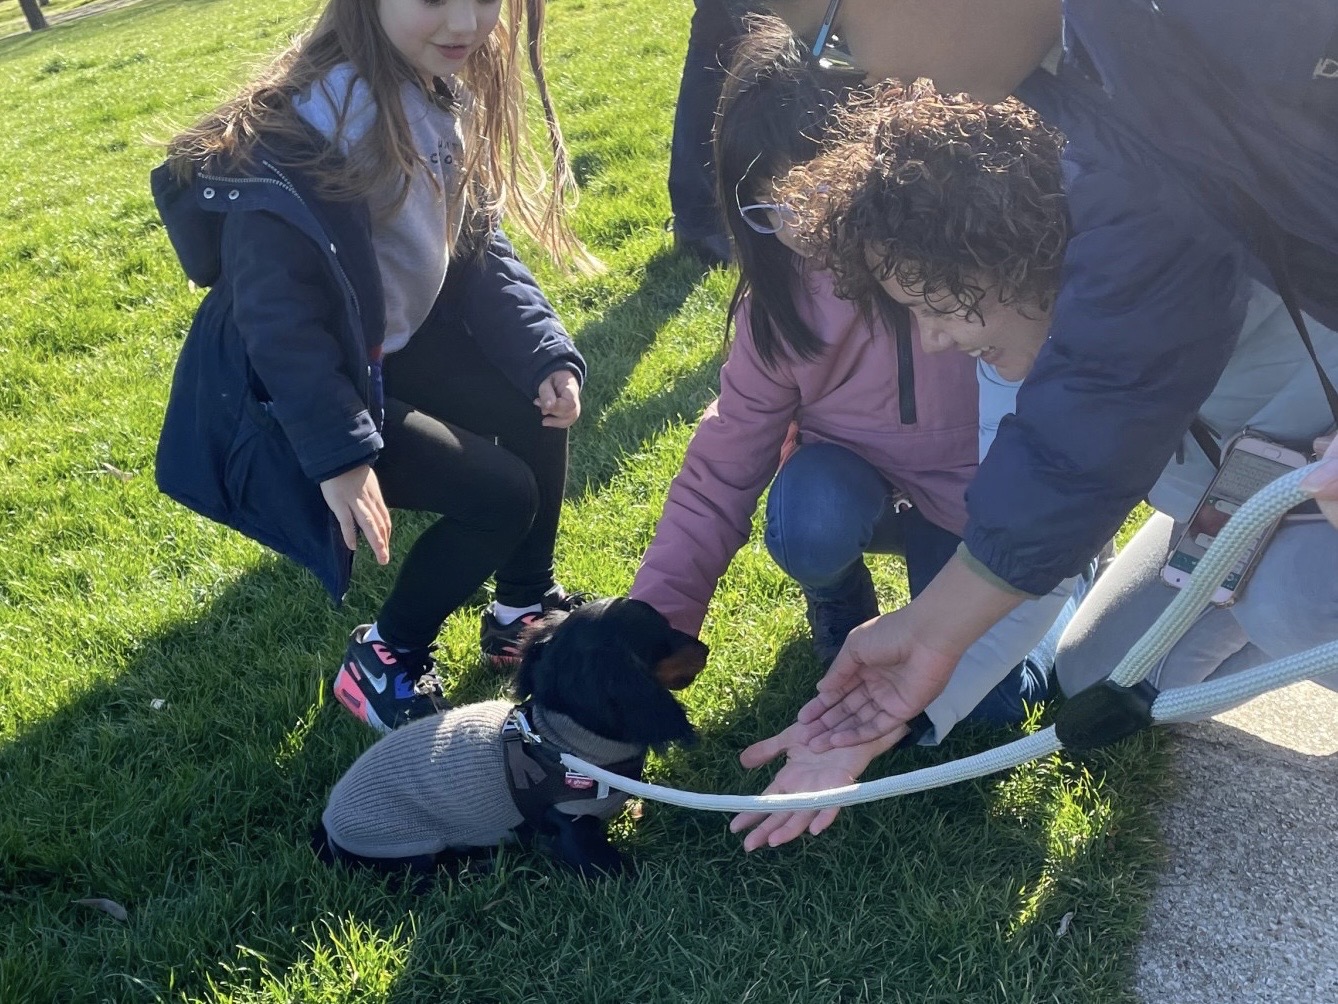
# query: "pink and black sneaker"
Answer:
x=501 y=642
x=386 y=687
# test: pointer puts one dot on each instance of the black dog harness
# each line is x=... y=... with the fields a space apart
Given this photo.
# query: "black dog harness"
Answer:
x=537 y=777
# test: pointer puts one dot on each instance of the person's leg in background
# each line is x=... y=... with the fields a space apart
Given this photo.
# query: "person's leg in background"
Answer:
x=698 y=228
x=1031 y=681
x=927 y=548
x=1126 y=600
x=1290 y=603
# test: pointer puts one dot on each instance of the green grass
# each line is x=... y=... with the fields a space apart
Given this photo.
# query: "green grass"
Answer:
x=194 y=816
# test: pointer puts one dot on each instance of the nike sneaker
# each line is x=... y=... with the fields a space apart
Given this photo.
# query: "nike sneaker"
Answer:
x=386 y=687
x=501 y=642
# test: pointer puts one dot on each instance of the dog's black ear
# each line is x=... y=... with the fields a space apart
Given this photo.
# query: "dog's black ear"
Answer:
x=533 y=641
x=645 y=711
x=686 y=658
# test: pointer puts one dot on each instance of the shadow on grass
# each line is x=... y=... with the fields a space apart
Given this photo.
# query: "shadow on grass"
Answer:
x=195 y=817
x=190 y=815
x=614 y=344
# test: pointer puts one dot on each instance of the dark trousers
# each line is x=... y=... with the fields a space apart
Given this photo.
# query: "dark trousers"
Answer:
x=461 y=441
x=691 y=175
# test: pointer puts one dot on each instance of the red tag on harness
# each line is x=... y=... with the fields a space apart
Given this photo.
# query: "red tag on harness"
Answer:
x=578 y=781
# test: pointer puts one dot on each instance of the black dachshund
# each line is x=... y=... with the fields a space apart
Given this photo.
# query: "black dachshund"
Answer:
x=594 y=682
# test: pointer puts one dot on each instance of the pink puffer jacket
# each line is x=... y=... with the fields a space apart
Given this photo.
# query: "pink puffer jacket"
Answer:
x=847 y=396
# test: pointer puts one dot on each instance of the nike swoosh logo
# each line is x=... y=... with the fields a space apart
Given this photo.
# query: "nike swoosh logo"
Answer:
x=377 y=680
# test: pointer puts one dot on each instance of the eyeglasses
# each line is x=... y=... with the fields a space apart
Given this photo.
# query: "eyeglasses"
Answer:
x=829 y=51
x=763 y=217
x=768 y=217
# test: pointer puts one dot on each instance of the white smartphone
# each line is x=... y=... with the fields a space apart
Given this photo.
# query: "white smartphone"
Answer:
x=1250 y=464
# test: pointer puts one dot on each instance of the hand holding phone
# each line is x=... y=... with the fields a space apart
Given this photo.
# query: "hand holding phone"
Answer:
x=1250 y=464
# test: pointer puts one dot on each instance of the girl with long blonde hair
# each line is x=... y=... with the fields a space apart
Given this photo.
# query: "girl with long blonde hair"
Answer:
x=370 y=339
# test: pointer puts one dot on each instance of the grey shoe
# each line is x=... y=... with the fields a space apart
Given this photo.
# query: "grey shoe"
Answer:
x=833 y=612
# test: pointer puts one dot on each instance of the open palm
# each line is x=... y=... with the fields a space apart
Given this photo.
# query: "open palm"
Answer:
x=805 y=770
x=879 y=681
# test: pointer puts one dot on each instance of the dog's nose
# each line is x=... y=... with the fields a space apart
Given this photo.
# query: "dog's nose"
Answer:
x=674 y=677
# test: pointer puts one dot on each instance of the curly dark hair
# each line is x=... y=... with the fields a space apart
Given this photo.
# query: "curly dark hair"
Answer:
x=949 y=196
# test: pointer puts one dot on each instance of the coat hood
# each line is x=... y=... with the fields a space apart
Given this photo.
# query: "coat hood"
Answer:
x=194 y=231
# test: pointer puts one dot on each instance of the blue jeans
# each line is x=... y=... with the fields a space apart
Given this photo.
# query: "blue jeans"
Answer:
x=691 y=174
x=1031 y=680
x=827 y=509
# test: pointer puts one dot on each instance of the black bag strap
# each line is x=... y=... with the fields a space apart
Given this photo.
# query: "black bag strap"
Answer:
x=1271 y=253
x=1267 y=239
x=1204 y=437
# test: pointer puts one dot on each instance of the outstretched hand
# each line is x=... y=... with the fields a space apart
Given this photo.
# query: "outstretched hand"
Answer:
x=804 y=770
x=881 y=679
x=355 y=499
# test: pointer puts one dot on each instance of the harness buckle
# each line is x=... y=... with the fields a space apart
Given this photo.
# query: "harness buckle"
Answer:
x=522 y=725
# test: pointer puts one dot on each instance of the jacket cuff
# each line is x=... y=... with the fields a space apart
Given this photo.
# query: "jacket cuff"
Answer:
x=369 y=461
x=982 y=570
x=560 y=364
x=365 y=451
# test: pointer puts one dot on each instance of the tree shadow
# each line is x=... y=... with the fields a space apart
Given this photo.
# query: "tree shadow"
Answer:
x=615 y=343
x=183 y=790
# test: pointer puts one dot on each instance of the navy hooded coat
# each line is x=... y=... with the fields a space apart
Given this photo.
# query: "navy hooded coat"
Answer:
x=278 y=385
x=1172 y=109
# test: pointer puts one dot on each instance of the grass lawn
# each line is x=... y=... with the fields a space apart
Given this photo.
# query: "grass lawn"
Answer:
x=194 y=815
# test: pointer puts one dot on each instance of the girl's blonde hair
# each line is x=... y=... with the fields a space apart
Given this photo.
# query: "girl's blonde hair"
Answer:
x=503 y=172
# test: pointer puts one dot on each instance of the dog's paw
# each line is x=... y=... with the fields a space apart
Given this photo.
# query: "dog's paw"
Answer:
x=580 y=843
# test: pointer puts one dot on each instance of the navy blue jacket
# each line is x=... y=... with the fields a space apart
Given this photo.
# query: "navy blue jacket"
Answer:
x=278 y=385
x=1167 y=107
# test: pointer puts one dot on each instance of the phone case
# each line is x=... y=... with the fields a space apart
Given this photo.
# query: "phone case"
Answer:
x=1213 y=490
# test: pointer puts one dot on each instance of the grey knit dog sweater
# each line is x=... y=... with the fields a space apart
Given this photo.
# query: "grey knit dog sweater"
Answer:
x=440 y=783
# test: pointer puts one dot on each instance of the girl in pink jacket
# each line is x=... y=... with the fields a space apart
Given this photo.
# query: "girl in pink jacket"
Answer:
x=867 y=441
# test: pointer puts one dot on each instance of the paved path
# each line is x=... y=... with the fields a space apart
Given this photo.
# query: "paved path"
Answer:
x=1247 y=909
x=65 y=16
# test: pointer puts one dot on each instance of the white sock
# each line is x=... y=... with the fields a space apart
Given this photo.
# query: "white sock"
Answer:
x=373 y=634
x=505 y=615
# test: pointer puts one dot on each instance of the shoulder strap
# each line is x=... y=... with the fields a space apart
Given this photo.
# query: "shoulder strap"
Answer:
x=1267 y=240
x=1203 y=435
x=1268 y=245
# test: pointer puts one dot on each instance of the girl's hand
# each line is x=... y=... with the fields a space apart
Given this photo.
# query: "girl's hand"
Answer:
x=355 y=499
x=559 y=399
x=804 y=770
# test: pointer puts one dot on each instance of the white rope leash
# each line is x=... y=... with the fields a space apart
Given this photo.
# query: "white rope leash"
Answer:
x=1174 y=705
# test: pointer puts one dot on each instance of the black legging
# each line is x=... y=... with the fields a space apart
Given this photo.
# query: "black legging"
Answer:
x=462 y=441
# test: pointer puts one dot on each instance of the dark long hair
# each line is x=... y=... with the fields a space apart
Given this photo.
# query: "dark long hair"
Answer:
x=773 y=114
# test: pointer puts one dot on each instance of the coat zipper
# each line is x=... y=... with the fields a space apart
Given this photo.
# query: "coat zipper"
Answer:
x=905 y=371
x=288 y=187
